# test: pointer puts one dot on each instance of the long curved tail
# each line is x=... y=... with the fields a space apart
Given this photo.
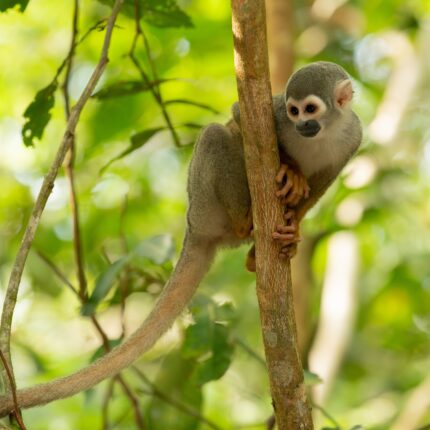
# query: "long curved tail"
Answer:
x=194 y=262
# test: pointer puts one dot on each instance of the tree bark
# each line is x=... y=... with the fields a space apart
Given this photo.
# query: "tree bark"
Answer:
x=274 y=289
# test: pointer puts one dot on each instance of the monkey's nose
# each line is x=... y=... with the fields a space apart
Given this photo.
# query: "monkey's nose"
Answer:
x=308 y=128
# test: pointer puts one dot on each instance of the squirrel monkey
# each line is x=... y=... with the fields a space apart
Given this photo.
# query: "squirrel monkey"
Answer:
x=317 y=134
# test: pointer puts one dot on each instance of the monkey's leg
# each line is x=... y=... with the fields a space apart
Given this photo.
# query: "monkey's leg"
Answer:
x=250 y=260
x=288 y=235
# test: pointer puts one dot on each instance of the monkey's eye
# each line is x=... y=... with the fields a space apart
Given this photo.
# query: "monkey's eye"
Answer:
x=294 y=111
x=310 y=108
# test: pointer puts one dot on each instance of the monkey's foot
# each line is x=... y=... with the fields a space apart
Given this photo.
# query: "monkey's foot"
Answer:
x=288 y=235
x=250 y=260
x=243 y=227
x=294 y=185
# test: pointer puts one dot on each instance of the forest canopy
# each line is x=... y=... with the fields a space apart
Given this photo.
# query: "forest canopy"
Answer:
x=362 y=275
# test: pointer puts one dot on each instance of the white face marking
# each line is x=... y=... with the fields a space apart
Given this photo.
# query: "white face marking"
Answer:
x=311 y=107
x=321 y=150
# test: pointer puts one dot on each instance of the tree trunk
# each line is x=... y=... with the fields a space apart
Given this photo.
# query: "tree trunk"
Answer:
x=274 y=288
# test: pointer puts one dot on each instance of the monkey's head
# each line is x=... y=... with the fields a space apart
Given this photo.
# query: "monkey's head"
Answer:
x=316 y=96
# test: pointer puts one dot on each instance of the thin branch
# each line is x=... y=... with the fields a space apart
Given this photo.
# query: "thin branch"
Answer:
x=327 y=415
x=105 y=408
x=57 y=271
x=155 y=391
x=105 y=342
x=45 y=191
x=70 y=160
x=124 y=280
x=155 y=91
x=250 y=351
x=16 y=411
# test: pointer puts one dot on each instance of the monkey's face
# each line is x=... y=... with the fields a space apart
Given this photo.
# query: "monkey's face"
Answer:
x=307 y=114
x=312 y=114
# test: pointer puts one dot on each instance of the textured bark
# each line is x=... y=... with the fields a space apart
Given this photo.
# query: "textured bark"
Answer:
x=274 y=288
x=280 y=40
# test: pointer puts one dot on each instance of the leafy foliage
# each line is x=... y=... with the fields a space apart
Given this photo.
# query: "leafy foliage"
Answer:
x=157 y=249
x=192 y=103
x=204 y=356
x=38 y=114
x=159 y=13
x=126 y=88
x=137 y=141
x=380 y=201
x=13 y=4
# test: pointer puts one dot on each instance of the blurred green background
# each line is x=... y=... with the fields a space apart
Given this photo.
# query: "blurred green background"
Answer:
x=362 y=275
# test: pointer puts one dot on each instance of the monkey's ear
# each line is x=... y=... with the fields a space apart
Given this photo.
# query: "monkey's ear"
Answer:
x=343 y=93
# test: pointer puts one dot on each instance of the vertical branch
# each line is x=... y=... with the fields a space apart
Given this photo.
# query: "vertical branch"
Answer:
x=274 y=289
x=154 y=89
x=44 y=193
x=70 y=161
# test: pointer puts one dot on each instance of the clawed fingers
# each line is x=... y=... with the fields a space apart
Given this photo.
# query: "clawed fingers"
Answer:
x=288 y=251
x=295 y=187
x=281 y=174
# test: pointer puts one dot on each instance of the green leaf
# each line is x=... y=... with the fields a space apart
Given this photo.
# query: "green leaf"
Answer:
x=226 y=313
x=311 y=378
x=208 y=341
x=192 y=103
x=422 y=323
x=164 y=13
x=174 y=383
x=100 y=351
x=219 y=359
x=137 y=141
x=11 y=4
x=104 y=283
x=193 y=125
x=38 y=114
x=197 y=340
x=159 y=13
x=158 y=249
x=127 y=88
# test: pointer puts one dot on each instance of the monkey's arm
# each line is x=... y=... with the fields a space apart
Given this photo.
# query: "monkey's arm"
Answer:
x=289 y=234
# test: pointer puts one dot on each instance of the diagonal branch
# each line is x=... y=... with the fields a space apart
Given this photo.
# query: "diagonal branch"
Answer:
x=45 y=191
x=16 y=411
x=274 y=287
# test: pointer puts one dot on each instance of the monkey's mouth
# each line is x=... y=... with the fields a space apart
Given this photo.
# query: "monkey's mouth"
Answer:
x=308 y=128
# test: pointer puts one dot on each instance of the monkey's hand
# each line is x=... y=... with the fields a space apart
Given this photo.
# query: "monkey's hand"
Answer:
x=288 y=235
x=294 y=185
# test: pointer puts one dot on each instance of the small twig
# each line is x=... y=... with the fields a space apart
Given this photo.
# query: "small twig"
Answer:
x=105 y=342
x=327 y=415
x=70 y=161
x=57 y=271
x=105 y=408
x=16 y=411
x=155 y=391
x=250 y=351
x=155 y=91
x=125 y=278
